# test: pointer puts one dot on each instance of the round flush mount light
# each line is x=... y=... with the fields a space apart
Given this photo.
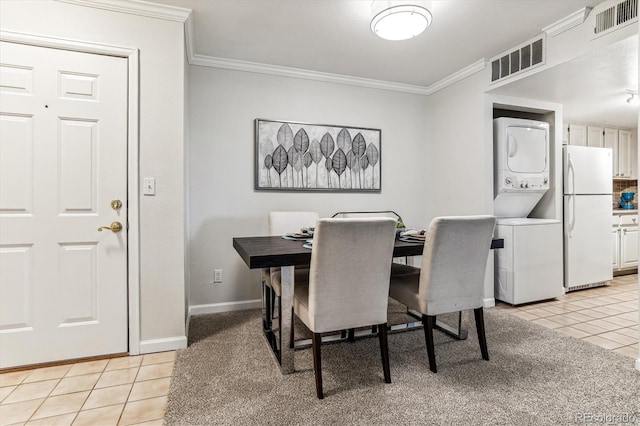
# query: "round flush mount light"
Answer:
x=401 y=22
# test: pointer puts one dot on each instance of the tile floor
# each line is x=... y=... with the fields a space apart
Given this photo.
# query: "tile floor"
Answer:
x=117 y=391
x=605 y=316
x=133 y=390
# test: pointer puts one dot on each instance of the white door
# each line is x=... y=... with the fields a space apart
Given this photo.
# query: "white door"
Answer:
x=616 y=248
x=595 y=136
x=611 y=141
x=624 y=153
x=63 y=159
x=587 y=170
x=527 y=149
x=629 y=247
x=587 y=239
x=577 y=134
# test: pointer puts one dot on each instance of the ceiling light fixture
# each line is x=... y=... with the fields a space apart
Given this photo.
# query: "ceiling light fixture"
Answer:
x=401 y=22
x=633 y=97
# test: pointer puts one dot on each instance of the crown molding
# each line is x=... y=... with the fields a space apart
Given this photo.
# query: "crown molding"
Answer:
x=233 y=64
x=458 y=75
x=567 y=22
x=137 y=7
x=254 y=67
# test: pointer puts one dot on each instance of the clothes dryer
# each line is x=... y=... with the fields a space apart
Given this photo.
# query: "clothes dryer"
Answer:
x=521 y=165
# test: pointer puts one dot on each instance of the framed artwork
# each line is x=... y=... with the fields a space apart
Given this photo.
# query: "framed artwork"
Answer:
x=293 y=156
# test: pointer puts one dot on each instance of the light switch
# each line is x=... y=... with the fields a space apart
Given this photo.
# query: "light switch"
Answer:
x=149 y=186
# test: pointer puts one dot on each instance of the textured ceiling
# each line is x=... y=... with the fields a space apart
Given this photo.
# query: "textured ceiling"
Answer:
x=333 y=36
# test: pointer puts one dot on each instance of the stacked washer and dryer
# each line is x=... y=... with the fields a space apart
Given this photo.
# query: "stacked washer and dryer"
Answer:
x=530 y=266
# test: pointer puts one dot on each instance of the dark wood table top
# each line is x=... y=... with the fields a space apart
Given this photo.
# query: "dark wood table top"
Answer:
x=264 y=252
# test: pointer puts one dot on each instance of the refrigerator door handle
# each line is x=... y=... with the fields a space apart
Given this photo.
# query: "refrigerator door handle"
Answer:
x=572 y=220
x=571 y=175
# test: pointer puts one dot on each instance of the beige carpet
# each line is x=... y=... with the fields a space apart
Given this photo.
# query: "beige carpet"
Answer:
x=535 y=376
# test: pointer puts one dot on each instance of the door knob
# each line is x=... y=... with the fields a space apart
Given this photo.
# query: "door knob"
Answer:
x=116 y=204
x=115 y=227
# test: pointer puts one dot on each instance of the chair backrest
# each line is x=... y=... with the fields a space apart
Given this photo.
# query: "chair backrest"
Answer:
x=281 y=222
x=454 y=262
x=349 y=273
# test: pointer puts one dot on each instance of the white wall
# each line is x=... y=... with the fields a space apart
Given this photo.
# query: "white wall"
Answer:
x=223 y=106
x=161 y=137
x=460 y=160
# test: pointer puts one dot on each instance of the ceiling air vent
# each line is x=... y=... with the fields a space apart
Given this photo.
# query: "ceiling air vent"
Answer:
x=615 y=16
x=524 y=57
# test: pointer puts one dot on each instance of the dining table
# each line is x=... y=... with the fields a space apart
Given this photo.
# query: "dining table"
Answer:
x=262 y=252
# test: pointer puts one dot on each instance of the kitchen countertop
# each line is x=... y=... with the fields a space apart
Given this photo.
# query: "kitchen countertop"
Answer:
x=625 y=211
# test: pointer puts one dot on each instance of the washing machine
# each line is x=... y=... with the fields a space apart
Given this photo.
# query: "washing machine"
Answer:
x=530 y=267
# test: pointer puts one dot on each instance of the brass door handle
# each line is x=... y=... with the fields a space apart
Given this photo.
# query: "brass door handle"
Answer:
x=115 y=227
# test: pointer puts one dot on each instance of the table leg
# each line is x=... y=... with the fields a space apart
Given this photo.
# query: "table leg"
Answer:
x=286 y=301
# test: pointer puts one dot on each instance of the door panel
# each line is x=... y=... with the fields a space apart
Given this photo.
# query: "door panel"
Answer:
x=587 y=244
x=587 y=170
x=629 y=250
x=63 y=152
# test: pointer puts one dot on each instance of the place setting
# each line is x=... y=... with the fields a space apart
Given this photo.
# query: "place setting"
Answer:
x=305 y=234
x=413 y=236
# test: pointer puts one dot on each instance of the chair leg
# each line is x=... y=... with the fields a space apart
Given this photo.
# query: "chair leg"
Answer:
x=482 y=337
x=428 y=321
x=268 y=307
x=292 y=342
x=316 y=343
x=384 y=351
x=352 y=335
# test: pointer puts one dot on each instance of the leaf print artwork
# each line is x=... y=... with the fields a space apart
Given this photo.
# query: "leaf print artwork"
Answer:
x=372 y=155
x=268 y=163
x=280 y=161
x=307 y=161
x=301 y=141
x=339 y=164
x=316 y=155
x=285 y=136
x=308 y=157
x=344 y=140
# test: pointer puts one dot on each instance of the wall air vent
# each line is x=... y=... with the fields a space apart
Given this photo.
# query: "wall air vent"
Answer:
x=522 y=58
x=616 y=16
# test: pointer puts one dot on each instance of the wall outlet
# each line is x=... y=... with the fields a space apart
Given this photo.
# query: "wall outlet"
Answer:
x=217 y=275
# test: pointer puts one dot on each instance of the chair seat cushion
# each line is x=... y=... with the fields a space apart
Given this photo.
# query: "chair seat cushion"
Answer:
x=404 y=289
x=398 y=269
x=301 y=275
x=301 y=302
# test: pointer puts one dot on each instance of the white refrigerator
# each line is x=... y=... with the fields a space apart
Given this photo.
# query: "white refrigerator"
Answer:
x=588 y=187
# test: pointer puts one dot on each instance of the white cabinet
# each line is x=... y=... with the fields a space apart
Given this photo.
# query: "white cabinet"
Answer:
x=577 y=134
x=629 y=248
x=611 y=141
x=622 y=142
x=595 y=136
x=625 y=242
x=627 y=152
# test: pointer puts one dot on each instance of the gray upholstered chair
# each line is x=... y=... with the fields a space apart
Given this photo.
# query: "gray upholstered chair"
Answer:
x=348 y=282
x=280 y=223
x=451 y=278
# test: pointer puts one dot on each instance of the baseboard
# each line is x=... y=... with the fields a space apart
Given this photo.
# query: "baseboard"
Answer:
x=638 y=364
x=162 y=345
x=215 y=308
